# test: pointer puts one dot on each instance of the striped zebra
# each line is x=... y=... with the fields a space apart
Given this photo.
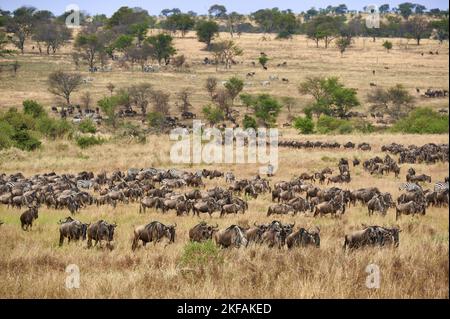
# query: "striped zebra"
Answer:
x=86 y=184
x=11 y=184
x=410 y=187
x=441 y=187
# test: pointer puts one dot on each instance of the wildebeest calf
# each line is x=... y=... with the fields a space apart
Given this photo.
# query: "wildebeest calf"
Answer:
x=27 y=218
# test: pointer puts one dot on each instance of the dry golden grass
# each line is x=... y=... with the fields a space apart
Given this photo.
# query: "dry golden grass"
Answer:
x=32 y=265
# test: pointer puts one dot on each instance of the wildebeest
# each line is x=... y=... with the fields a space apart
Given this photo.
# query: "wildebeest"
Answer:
x=202 y=231
x=254 y=234
x=410 y=208
x=231 y=209
x=302 y=238
x=360 y=238
x=27 y=217
x=330 y=207
x=153 y=232
x=280 y=209
x=72 y=230
x=276 y=234
x=233 y=236
x=100 y=230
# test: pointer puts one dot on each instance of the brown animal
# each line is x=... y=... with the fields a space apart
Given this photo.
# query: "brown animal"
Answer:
x=27 y=218
x=153 y=232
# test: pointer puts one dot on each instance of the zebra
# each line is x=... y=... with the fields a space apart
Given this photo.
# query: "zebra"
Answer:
x=410 y=187
x=441 y=187
x=84 y=184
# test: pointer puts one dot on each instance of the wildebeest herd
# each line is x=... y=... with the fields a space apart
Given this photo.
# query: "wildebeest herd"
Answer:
x=165 y=191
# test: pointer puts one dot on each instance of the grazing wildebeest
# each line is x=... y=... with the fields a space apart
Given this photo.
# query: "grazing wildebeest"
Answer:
x=280 y=209
x=205 y=207
x=231 y=209
x=360 y=238
x=72 y=230
x=100 y=230
x=330 y=207
x=254 y=234
x=410 y=208
x=153 y=232
x=303 y=238
x=202 y=232
x=233 y=236
x=27 y=217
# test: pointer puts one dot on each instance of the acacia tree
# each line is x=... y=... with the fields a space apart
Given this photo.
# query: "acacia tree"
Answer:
x=211 y=85
x=63 y=84
x=89 y=45
x=330 y=96
x=395 y=101
x=225 y=52
x=140 y=95
x=418 y=27
x=343 y=43
x=387 y=45
x=52 y=34
x=163 y=48
x=184 y=95
x=21 y=25
x=234 y=86
x=160 y=101
x=207 y=31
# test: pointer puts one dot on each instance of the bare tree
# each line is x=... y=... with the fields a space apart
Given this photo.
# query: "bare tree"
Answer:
x=86 y=100
x=63 y=84
x=211 y=85
x=184 y=96
x=223 y=100
x=160 y=101
x=140 y=95
x=111 y=88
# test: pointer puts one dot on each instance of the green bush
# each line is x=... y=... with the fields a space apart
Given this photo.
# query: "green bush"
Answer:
x=155 y=119
x=213 y=114
x=87 y=126
x=363 y=126
x=5 y=141
x=25 y=141
x=345 y=127
x=304 y=124
x=33 y=108
x=18 y=120
x=129 y=130
x=422 y=121
x=52 y=128
x=249 y=122
x=200 y=254
x=87 y=141
x=327 y=124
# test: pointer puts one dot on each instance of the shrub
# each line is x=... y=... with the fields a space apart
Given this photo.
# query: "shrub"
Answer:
x=87 y=126
x=52 y=128
x=19 y=121
x=363 y=126
x=155 y=119
x=200 y=254
x=25 y=141
x=33 y=108
x=129 y=130
x=5 y=141
x=87 y=141
x=304 y=124
x=213 y=114
x=327 y=124
x=249 y=122
x=422 y=121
